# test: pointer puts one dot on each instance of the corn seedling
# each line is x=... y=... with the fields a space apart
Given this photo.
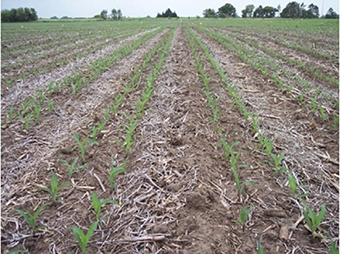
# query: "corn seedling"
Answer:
x=115 y=171
x=322 y=113
x=55 y=187
x=335 y=122
x=312 y=219
x=50 y=105
x=83 y=145
x=31 y=218
x=292 y=184
x=243 y=216
x=255 y=123
x=25 y=120
x=37 y=110
x=268 y=143
x=277 y=161
x=333 y=249
x=97 y=203
x=227 y=149
x=259 y=246
x=83 y=239
x=233 y=161
x=10 y=114
x=313 y=103
x=73 y=166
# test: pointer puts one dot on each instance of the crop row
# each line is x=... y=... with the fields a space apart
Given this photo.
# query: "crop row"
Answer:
x=31 y=108
x=81 y=237
x=271 y=69
x=49 y=45
x=312 y=70
x=312 y=219
x=299 y=46
x=76 y=52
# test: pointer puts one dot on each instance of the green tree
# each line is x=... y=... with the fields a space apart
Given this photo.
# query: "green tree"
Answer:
x=168 y=14
x=114 y=14
x=227 y=10
x=103 y=14
x=258 y=13
x=311 y=13
x=331 y=14
x=248 y=11
x=209 y=13
x=19 y=15
x=119 y=14
x=292 y=10
x=269 y=12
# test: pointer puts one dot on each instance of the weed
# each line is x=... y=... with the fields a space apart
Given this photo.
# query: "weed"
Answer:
x=97 y=204
x=31 y=218
x=83 y=239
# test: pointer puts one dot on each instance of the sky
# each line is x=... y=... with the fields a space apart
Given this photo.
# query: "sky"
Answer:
x=143 y=8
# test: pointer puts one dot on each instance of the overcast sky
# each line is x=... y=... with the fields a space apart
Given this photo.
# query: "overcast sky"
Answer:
x=143 y=8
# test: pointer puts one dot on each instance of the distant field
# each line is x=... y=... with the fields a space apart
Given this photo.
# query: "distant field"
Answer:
x=212 y=136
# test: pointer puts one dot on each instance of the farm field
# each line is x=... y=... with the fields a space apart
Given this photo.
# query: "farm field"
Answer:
x=170 y=136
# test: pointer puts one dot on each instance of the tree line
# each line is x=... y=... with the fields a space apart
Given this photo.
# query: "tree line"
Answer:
x=115 y=14
x=19 y=15
x=167 y=14
x=292 y=10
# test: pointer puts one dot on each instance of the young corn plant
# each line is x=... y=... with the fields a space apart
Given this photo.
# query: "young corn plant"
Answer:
x=292 y=184
x=277 y=159
x=73 y=166
x=83 y=239
x=115 y=171
x=312 y=219
x=243 y=216
x=129 y=134
x=333 y=249
x=83 y=145
x=255 y=123
x=268 y=144
x=239 y=185
x=55 y=187
x=25 y=120
x=97 y=204
x=37 y=111
x=31 y=218
x=10 y=114
x=322 y=113
x=259 y=246
x=227 y=149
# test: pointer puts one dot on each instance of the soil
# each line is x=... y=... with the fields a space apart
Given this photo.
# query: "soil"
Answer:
x=178 y=193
